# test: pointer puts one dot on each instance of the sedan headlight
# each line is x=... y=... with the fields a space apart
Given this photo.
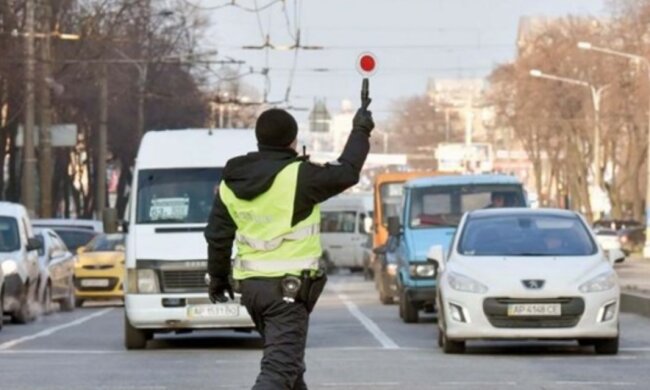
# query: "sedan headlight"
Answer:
x=423 y=270
x=147 y=281
x=603 y=282
x=465 y=284
x=9 y=267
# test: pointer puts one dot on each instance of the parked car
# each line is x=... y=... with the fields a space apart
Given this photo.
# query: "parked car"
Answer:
x=56 y=262
x=528 y=275
x=433 y=207
x=99 y=270
x=344 y=231
x=75 y=238
x=626 y=235
x=88 y=224
x=19 y=257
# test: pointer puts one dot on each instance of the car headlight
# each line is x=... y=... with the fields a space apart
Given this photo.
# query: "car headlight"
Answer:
x=465 y=284
x=147 y=281
x=391 y=269
x=423 y=270
x=603 y=282
x=9 y=267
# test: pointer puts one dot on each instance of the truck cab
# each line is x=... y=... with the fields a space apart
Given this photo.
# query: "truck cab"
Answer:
x=431 y=211
x=176 y=177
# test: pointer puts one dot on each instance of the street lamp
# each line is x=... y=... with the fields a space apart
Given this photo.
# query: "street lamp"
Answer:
x=596 y=94
x=638 y=59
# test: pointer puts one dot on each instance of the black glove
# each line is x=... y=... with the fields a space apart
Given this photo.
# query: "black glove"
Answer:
x=363 y=118
x=218 y=288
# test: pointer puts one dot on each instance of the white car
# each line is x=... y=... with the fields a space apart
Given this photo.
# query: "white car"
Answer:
x=526 y=274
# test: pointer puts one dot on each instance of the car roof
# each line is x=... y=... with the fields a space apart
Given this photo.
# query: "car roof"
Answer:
x=87 y=224
x=505 y=211
x=73 y=229
x=452 y=180
x=15 y=210
x=348 y=201
x=193 y=148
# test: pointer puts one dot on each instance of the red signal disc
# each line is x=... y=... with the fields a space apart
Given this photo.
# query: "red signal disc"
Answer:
x=366 y=64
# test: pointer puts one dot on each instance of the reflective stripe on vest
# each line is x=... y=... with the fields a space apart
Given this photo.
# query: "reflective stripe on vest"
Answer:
x=276 y=266
x=269 y=245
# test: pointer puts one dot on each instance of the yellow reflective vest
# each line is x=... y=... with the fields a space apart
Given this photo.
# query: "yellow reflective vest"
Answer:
x=267 y=244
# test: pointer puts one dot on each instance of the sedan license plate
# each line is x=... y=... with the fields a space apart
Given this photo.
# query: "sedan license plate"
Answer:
x=534 y=309
x=213 y=311
x=94 y=282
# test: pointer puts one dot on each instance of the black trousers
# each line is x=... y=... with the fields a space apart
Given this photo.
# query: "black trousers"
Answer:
x=283 y=327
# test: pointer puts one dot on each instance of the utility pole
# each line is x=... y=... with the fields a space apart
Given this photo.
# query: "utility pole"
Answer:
x=29 y=161
x=45 y=136
x=100 y=189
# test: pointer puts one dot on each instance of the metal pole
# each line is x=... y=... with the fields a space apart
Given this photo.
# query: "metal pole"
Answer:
x=595 y=95
x=45 y=137
x=142 y=90
x=29 y=161
x=646 y=248
x=100 y=189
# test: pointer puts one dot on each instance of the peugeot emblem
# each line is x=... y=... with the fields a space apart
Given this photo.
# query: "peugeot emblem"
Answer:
x=533 y=284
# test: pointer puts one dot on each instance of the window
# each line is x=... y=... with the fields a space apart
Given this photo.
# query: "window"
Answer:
x=9 y=235
x=438 y=206
x=176 y=195
x=391 y=201
x=338 y=222
x=526 y=235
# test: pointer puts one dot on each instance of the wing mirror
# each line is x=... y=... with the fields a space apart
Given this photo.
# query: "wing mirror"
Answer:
x=394 y=226
x=615 y=256
x=33 y=245
x=436 y=255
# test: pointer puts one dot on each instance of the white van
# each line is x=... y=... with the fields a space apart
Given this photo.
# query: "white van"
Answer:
x=346 y=221
x=175 y=179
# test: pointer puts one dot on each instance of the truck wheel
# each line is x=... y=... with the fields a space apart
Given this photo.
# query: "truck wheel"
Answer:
x=606 y=346
x=134 y=338
x=409 y=310
x=24 y=313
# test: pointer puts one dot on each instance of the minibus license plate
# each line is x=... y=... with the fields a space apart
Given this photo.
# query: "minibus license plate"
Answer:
x=213 y=311
x=534 y=309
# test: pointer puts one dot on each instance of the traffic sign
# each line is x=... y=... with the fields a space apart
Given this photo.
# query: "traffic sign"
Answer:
x=367 y=64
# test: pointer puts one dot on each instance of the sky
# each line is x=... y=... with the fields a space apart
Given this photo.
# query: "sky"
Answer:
x=413 y=40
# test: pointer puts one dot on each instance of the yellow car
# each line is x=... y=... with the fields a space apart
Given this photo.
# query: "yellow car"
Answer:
x=99 y=269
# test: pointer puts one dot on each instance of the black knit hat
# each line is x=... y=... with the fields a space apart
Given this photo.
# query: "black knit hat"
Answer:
x=276 y=127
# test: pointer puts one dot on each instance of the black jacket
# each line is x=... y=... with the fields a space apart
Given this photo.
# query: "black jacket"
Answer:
x=251 y=175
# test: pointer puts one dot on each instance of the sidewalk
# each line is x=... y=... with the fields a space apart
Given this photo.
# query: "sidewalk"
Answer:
x=634 y=278
x=634 y=274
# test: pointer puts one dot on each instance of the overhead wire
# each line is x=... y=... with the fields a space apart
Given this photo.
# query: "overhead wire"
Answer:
x=235 y=4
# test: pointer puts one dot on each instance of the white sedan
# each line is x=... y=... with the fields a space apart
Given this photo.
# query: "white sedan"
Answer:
x=526 y=274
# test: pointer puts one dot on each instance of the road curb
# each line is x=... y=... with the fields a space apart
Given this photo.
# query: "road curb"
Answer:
x=635 y=302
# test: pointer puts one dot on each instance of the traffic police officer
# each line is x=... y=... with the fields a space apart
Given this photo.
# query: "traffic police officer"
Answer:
x=267 y=204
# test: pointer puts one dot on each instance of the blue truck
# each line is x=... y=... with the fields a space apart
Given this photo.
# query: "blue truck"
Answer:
x=432 y=209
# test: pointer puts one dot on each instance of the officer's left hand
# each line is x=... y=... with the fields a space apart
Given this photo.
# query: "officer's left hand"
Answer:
x=218 y=288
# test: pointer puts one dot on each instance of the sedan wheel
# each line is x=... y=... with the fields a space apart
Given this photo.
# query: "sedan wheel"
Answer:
x=47 y=300
x=452 y=346
x=606 y=346
x=69 y=303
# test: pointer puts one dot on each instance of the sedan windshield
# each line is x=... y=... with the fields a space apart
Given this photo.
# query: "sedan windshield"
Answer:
x=526 y=235
x=106 y=243
x=74 y=239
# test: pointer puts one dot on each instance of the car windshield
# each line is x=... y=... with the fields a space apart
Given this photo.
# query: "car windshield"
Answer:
x=176 y=195
x=391 y=200
x=439 y=206
x=106 y=243
x=74 y=239
x=526 y=235
x=9 y=238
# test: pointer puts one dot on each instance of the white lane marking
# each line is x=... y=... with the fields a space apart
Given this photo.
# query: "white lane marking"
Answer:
x=476 y=383
x=58 y=352
x=593 y=383
x=385 y=341
x=639 y=349
x=359 y=384
x=50 y=331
